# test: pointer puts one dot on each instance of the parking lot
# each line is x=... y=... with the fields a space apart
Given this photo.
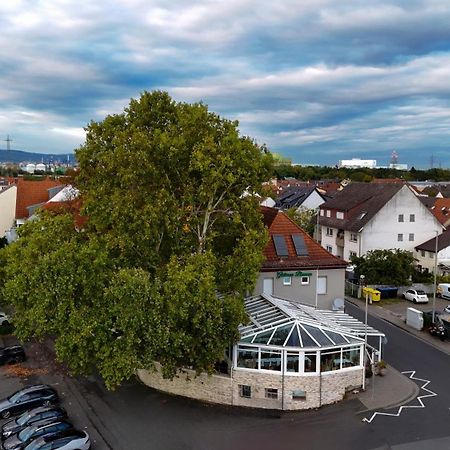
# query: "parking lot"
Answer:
x=41 y=368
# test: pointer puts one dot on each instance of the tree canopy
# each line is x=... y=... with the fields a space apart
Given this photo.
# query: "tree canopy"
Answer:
x=170 y=247
x=394 y=267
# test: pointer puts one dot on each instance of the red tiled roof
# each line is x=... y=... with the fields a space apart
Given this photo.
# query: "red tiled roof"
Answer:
x=278 y=223
x=31 y=192
x=441 y=210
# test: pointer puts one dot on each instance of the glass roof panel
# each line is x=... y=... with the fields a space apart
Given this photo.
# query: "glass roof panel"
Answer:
x=281 y=334
x=317 y=334
x=306 y=339
x=246 y=339
x=293 y=340
x=336 y=337
x=263 y=337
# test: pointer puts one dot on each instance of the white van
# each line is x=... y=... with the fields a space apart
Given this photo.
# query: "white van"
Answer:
x=443 y=290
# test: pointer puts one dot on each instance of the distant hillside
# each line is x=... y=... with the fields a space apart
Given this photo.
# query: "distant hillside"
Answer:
x=19 y=156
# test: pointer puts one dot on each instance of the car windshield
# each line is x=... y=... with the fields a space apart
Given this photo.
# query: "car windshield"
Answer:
x=421 y=293
x=26 y=433
x=24 y=418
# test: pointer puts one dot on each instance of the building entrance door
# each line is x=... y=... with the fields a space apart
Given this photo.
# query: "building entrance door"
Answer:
x=268 y=286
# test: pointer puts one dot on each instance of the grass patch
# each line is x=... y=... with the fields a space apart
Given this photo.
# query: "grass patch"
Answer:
x=390 y=301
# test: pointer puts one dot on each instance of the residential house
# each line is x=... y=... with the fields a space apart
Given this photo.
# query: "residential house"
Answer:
x=296 y=267
x=30 y=195
x=425 y=253
x=8 y=195
x=370 y=216
x=301 y=198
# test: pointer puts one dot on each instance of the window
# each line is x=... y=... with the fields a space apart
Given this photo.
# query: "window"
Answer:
x=287 y=281
x=353 y=237
x=400 y=237
x=321 y=285
x=339 y=215
x=329 y=248
x=245 y=391
x=431 y=254
x=422 y=252
x=401 y=218
x=328 y=213
x=330 y=361
x=292 y=362
x=411 y=237
x=271 y=360
x=322 y=212
x=329 y=231
x=352 y=254
x=412 y=217
x=351 y=357
x=271 y=393
x=304 y=280
x=247 y=357
x=310 y=362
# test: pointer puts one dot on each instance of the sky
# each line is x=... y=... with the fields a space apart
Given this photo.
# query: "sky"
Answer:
x=315 y=80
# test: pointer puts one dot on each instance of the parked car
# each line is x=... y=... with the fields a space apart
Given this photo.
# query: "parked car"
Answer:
x=54 y=413
x=4 y=319
x=20 y=440
x=415 y=296
x=28 y=398
x=443 y=290
x=12 y=354
x=65 y=440
x=447 y=309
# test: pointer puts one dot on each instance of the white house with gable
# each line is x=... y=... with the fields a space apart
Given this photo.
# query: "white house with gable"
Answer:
x=370 y=216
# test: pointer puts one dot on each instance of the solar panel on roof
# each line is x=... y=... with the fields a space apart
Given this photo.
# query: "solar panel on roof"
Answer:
x=280 y=245
x=299 y=244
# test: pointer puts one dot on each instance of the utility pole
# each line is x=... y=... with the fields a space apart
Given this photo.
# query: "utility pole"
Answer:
x=8 y=141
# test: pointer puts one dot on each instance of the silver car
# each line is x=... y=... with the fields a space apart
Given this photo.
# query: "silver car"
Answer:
x=66 y=440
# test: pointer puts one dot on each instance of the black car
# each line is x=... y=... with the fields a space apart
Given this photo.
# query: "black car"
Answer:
x=23 y=438
x=28 y=398
x=54 y=413
x=12 y=354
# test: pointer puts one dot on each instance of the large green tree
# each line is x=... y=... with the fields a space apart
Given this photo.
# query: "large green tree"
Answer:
x=395 y=267
x=170 y=246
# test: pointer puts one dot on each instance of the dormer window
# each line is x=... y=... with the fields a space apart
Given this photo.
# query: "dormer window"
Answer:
x=339 y=215
x=328 y=213
x=362 y=215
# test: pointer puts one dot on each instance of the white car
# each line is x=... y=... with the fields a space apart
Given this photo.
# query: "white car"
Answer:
x=4 y=319
x=415 y=296
x=447 y=309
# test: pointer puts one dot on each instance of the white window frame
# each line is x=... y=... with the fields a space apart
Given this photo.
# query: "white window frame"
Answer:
x=401 y=218
x=322 y=212
x=400 y=237
x=304 y=280
x=287 y=281
x=412 y=217
x=329 y=248
x=339 y=215
x=411 y=237
x=271 y=393
x=353 y=237
x=329 y=231
x=328 y=213
x=352 y=254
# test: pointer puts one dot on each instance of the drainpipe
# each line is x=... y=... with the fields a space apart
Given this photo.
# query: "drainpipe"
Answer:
x=282 y=381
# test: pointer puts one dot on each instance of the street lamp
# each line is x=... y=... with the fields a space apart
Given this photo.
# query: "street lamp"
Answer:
x=361 y=282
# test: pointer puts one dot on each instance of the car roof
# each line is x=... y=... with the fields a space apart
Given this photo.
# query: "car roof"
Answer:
x=35 y=387
x=61 y=434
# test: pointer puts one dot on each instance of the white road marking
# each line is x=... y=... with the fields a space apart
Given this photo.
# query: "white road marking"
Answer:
x=419 y=398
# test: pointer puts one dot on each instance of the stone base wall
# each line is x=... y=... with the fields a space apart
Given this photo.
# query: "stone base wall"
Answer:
x=318 y=390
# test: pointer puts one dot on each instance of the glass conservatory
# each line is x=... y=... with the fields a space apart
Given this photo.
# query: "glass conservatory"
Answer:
x=295 y=339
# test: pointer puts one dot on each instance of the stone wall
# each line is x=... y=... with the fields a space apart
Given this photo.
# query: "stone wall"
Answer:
x=318 y=390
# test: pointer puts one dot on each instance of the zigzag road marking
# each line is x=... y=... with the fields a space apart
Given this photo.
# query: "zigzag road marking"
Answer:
x=419 y=398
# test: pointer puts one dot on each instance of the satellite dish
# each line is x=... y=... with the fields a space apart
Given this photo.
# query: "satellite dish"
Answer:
x=338 y=304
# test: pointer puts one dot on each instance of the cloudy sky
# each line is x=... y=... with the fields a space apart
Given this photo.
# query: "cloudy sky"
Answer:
x=316 y=80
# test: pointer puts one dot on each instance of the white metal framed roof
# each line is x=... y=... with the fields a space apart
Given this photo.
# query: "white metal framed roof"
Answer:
x=275 y=321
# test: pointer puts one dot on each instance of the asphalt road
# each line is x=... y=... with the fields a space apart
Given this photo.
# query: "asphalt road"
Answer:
x=137 y=418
